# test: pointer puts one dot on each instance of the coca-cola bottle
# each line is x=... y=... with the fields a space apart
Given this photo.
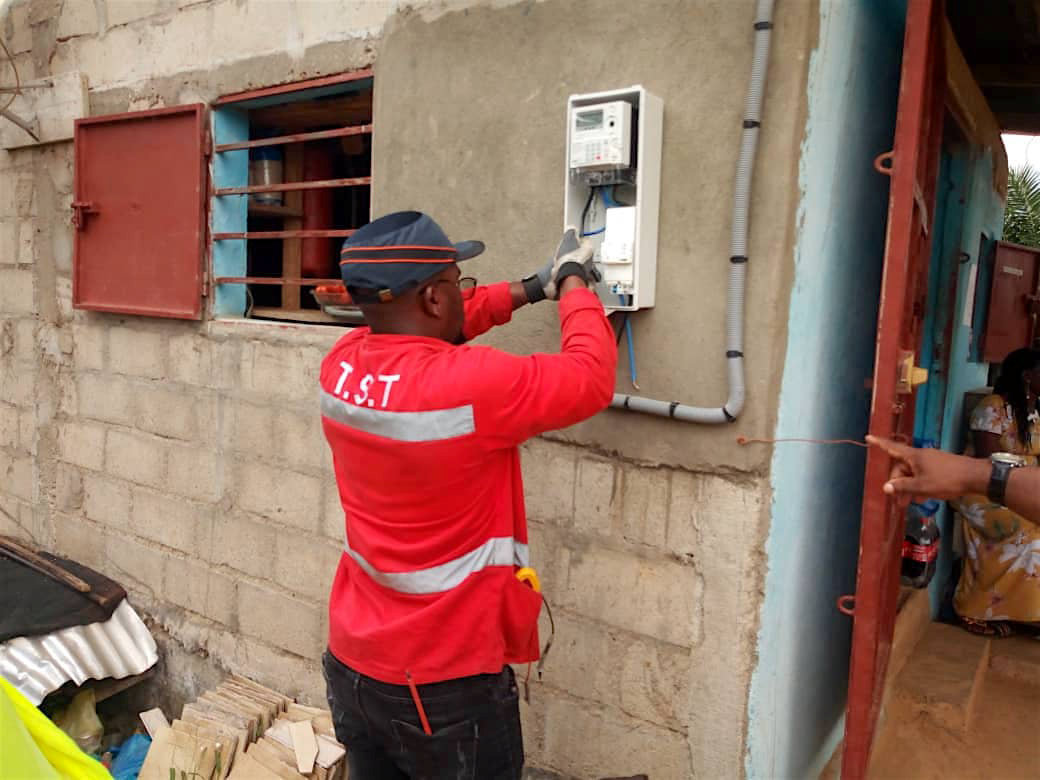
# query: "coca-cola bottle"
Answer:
x=920 y=544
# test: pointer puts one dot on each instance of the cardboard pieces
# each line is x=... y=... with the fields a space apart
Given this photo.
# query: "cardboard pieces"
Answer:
x=177 y=752
x=223 y=745
x=202 y=715
x=266 y=753
x=301 y=751
x=242 y=730
x=330 y=752
x=305 y=745
x=154 y=721
x=248 y=768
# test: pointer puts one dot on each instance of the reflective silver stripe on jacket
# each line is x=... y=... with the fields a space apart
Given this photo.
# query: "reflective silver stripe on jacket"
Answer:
x=498 y=551
x=434 y=425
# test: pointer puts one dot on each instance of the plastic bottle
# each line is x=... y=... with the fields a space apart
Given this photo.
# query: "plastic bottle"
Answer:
x=265 y=169
x=920 y=544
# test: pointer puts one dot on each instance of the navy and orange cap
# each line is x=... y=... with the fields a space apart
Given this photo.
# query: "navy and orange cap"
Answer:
x=396 y=252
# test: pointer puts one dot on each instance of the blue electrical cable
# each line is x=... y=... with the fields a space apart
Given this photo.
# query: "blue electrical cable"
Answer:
x=631 y=353
x=603 y=196
x=631 y=345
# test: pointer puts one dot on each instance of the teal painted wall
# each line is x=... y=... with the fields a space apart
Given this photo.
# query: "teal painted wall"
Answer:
x=230 y=169
x=798 y=689
x=968 y=209
x=940 y=311
x=983 y=215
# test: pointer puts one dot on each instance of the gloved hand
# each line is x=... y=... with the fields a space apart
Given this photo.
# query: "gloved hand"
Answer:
x=544 y=283
x=539 y=284
x=577 y=262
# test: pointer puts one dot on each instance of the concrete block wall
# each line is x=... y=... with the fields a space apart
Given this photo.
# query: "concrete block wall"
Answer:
x=199 y=480
x=651 y=602
x=198 y=477
x=186 y=459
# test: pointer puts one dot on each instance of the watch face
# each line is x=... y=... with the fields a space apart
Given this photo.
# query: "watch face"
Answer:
x=1008 y=459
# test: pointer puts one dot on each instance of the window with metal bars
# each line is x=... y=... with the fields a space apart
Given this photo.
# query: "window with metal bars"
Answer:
x=291 y=177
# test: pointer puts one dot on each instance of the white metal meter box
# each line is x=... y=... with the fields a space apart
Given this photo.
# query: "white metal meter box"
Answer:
x=613 y=188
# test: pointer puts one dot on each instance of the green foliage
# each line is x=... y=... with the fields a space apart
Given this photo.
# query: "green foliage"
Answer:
x=1022 y=217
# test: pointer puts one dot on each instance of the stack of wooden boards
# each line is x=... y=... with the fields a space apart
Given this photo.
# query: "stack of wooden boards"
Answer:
x=245 y=731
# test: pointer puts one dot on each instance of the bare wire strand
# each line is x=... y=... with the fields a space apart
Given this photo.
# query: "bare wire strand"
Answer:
x=743 y=440
x=17 y=78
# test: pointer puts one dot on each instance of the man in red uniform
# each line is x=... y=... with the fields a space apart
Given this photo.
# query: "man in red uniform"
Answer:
x=426 y=611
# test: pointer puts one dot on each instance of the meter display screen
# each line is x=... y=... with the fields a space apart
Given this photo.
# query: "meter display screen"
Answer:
x=589 y=120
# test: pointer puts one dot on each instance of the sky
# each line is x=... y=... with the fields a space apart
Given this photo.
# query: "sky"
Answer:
x=1023 y=149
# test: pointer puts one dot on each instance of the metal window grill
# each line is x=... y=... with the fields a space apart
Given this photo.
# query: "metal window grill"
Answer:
x=292 y=279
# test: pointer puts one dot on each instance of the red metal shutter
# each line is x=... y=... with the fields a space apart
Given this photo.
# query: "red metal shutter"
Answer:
x=139 y=213
x=1014 y=301
x=914 y=170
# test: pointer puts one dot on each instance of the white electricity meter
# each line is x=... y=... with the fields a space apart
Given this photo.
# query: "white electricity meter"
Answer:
x=612 y=189
x=601 y=136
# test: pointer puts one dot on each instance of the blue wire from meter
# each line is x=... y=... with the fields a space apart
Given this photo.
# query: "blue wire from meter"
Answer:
x=608 y=202
x=625 y=301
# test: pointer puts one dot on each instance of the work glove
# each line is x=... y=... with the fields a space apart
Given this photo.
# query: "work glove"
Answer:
x=571 y=259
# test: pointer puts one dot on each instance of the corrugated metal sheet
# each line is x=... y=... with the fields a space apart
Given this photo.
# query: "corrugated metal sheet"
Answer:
x=118 y=647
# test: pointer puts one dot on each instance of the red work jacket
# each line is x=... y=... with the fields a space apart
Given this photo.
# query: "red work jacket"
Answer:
x=424 y=439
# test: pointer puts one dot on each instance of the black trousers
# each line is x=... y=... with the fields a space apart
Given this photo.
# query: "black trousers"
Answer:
x=475 y=723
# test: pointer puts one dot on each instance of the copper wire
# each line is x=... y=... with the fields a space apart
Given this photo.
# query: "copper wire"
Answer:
x=743 y=440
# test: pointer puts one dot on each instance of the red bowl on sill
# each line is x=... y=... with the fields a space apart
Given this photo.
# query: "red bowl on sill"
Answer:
x=332 y=295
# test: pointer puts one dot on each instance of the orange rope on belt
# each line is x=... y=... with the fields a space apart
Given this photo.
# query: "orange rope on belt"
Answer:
x=418 y=704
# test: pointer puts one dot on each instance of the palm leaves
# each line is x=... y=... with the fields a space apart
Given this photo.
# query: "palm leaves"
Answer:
x=1022 y=216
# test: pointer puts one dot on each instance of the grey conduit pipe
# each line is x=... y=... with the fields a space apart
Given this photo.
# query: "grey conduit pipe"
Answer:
x=738 y=254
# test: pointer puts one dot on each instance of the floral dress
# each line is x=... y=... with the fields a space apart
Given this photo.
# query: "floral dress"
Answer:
x=1000 y=579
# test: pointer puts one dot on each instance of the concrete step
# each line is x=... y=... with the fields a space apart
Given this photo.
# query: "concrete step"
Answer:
x=912 y=622
x=1016 y=659
x=943 y=676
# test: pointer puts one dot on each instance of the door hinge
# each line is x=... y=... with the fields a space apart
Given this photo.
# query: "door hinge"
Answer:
x=205 y=284
x=207 y=144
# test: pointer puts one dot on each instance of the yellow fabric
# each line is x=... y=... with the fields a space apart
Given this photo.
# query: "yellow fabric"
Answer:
x=1000 y=579
x=33 y=748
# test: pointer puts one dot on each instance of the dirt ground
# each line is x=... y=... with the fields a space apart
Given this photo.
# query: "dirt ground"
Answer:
x=989 y=733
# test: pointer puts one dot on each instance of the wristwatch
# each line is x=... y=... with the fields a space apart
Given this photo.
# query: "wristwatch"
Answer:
x=1001 y=466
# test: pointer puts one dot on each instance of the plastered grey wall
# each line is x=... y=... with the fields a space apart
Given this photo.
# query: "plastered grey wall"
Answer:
x=485 y=91
x=185 y=458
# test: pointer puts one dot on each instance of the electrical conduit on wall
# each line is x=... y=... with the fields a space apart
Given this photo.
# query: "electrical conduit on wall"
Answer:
x=738 y=254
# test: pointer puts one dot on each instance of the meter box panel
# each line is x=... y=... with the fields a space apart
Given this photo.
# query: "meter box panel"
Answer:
x=613 y=189
x=617 y=251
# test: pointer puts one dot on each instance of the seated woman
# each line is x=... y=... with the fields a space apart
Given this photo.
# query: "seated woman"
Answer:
x=1000 y=578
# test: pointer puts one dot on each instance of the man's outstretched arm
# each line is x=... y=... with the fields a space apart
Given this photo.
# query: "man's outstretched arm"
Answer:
x=933 y=473
x=495 y=304
x=492 y=305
